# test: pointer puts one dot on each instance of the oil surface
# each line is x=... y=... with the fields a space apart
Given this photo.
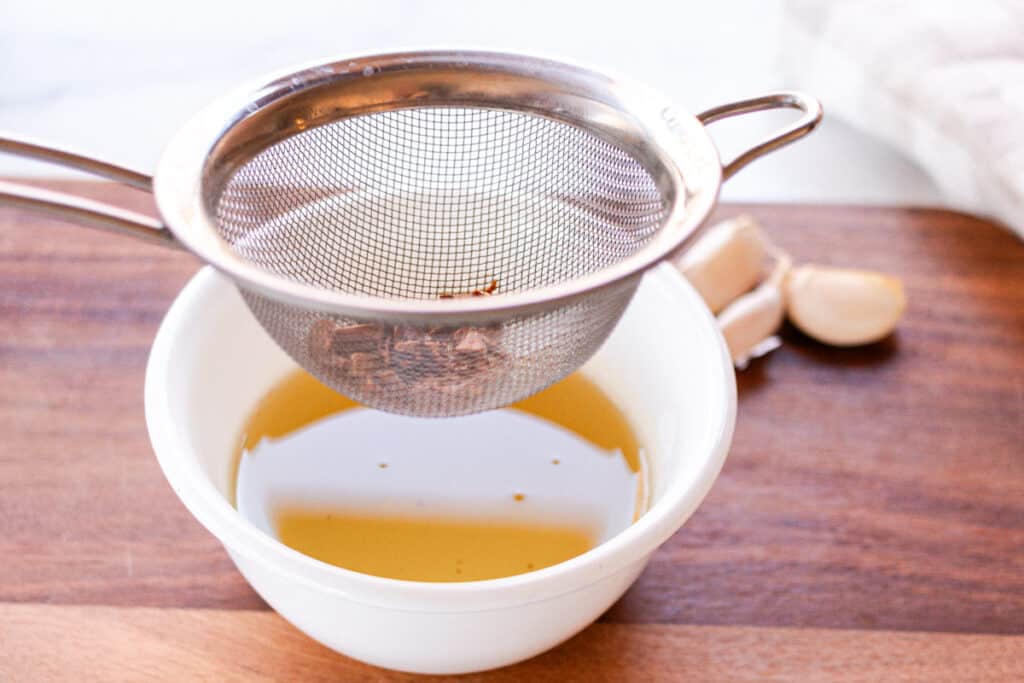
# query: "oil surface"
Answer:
x=425 y=549
x=460 y=499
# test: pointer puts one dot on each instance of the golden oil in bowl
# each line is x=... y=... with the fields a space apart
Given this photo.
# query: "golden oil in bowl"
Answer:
x=458 y=499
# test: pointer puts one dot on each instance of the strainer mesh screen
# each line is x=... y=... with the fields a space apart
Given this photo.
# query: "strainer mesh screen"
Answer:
x=416 y=202
x=427 y=202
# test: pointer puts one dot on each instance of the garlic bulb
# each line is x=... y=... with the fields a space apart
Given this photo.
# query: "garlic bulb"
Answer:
x=749 y=323
x=726 y=262
x=844 y=307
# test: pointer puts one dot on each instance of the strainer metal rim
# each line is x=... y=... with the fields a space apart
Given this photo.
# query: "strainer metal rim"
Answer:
x=682 y=145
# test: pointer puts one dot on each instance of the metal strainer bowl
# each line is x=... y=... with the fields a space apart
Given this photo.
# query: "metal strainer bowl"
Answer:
x=431 y=233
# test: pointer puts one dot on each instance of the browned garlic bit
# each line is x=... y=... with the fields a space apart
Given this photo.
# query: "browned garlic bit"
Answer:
x=486 y=291
x=844 y=307
x=726 y=262
x=411 y=359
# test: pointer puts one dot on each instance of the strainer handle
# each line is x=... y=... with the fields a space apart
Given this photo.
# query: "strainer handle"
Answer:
x=79 y=209
x=788 y=99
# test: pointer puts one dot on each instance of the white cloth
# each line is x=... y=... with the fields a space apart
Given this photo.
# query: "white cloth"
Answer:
x=941 y=81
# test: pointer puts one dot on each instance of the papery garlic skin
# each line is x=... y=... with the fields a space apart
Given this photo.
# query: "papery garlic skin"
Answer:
x=726 y=262
x=749 y=323
x=750 y=320
x=844 y=307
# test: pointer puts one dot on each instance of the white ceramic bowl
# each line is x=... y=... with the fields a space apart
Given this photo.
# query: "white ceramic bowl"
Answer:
x=666 y=368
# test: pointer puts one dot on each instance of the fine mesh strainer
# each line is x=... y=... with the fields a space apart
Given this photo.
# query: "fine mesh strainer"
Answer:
x=431 y=233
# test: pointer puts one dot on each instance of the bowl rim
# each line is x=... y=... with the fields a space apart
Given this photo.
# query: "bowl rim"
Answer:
x=243 y=540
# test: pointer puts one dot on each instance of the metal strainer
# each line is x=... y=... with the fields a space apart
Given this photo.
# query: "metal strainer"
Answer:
x=432 y=233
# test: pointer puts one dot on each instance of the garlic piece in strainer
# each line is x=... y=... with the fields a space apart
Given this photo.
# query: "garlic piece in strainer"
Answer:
x=726 y=262
x=844 y=307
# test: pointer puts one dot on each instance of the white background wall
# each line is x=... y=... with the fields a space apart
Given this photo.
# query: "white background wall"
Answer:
x=115 y=79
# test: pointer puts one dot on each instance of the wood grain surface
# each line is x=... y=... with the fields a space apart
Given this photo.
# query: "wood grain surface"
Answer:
x=869 y=523
x=145 y=643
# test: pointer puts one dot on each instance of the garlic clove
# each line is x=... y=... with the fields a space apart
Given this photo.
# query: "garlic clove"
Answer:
x=844 y=307
x=749 y=323
x=726 y=262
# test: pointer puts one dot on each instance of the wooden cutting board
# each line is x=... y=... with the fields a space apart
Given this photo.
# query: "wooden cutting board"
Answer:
x=868 y=525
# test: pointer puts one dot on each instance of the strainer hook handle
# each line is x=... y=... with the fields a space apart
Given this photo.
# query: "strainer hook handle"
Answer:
x=789 y=99
x=79 y=209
